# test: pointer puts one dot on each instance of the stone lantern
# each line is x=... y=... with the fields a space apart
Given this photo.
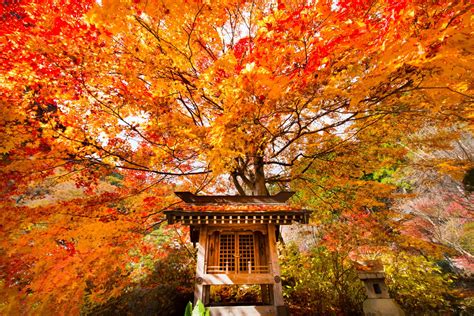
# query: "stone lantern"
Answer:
x=378 y=302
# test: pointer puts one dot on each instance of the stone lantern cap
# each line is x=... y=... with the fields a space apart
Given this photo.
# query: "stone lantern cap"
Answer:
x=372 y=274
x=370 y=269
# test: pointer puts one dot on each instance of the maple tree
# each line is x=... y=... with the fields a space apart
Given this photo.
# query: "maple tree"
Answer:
x=440 y=211
x=129 y=100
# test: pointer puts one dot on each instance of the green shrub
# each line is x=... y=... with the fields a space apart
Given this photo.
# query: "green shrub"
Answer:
x=417 y=283
x=320 y=282
x=198 y=310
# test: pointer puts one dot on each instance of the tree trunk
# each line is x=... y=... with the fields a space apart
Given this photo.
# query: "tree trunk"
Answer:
x=252 y=178
x=259 y=185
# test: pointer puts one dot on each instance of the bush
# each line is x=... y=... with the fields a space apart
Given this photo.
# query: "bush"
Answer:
x=320 y=282
x=417 y=283
x=164 y=292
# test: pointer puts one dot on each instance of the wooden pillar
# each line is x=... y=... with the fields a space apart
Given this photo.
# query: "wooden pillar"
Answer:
x=200 y=265
x=277 y=288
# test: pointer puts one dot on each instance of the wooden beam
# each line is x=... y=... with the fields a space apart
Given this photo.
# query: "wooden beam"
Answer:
x=200 y=265
x=277 y=288
x=283 y=217
x=241 y=278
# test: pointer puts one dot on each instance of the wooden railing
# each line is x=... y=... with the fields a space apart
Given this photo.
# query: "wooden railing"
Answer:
x=226 y=269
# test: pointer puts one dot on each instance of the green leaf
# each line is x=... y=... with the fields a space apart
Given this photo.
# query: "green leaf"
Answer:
x=199 y=309
x=189 y=308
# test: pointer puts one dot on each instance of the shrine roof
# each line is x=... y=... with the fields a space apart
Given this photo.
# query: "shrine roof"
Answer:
x=192 y=199
x=222 y=209
x=235 y=208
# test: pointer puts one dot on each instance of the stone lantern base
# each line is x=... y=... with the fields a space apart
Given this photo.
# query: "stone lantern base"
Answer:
x=381 y=307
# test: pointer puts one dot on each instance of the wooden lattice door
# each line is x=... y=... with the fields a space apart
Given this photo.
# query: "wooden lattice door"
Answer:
x=237 y=252
x=245 y=253
x=227 y=252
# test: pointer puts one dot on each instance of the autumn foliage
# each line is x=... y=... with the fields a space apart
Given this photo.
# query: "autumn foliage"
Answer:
x=108 y=107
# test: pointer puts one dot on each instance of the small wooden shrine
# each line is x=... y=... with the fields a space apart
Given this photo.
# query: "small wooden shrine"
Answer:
x=236 y=250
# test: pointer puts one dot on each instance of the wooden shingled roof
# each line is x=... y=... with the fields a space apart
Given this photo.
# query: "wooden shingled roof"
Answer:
x=232 y=209
x=279 y=199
